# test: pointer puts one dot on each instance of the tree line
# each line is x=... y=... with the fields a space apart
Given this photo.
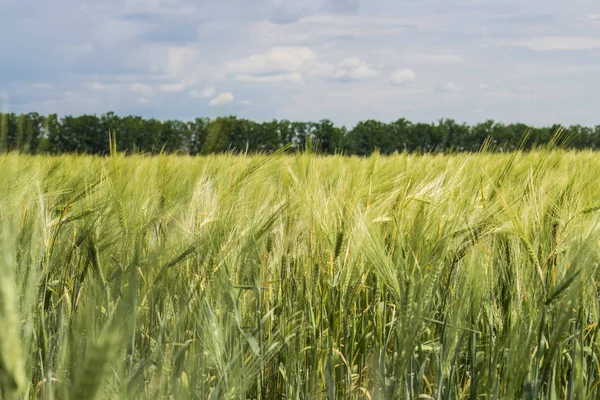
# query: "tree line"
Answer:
x=89 y=134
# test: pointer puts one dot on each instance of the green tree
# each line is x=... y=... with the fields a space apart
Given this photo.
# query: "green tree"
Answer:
x=300 y=133
x=368 y=136
x=198 y=132
x=399 y=131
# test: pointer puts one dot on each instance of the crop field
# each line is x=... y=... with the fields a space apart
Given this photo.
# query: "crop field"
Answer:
x=300 y=276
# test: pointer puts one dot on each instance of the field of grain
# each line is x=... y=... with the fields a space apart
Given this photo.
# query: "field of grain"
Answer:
x=300 y=277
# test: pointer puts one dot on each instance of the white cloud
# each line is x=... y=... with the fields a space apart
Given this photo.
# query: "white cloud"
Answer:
x=449 y=87
x=185 y=65
x=179 y=60
x=402 y=76
x=353 y=68
x=504 y=91
x=172 y=87
x=276 y=60
x=149 y=43
x=501 y=94
x=436 y=58
x=221 y=99
x=286 y=64
x=289 y=77
x=555 y=43
x=207 y=92
x=141 y=88
x=520 y=88
x=246 y=103
x=97 y=86
x=349 y=69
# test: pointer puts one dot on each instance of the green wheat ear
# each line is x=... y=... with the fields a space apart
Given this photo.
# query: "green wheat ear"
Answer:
x=90 y=377
x=277 y=276
x=12 y=371
x=112 y=143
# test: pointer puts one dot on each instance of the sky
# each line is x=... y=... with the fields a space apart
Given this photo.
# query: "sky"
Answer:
x=532 y=61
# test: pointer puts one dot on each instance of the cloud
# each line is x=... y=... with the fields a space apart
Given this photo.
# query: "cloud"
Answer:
x=555 y=43
x=172 y=87
x=293 y=59
x=349 y=69
x=286 y=64
x=276 y=60
x=246 y=103
x=179 y=59
x=449 y=87
x=278 y=78
x=97 y=86
x=141 y=88
x=184 y=63
x=402 y=76
x=353 y=68
x=436 y=58
x=501 y=94
x=207 y=92
x=504 y=91
x=221 y=99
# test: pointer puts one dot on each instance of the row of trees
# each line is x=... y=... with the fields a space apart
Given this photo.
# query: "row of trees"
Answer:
x=34 y=133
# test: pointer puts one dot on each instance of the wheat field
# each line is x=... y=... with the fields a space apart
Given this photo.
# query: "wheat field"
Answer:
x=300 y=276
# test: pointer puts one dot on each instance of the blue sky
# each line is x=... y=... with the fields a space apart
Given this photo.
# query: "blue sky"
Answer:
x=531 y=61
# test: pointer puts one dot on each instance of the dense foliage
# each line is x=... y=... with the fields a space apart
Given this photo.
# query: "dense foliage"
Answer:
x=300 y=277
x=88 y=134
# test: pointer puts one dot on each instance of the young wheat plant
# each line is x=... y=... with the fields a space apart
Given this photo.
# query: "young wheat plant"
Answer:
x=300 y=276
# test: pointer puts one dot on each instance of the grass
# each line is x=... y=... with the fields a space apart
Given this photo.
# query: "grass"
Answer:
x=300 y=277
